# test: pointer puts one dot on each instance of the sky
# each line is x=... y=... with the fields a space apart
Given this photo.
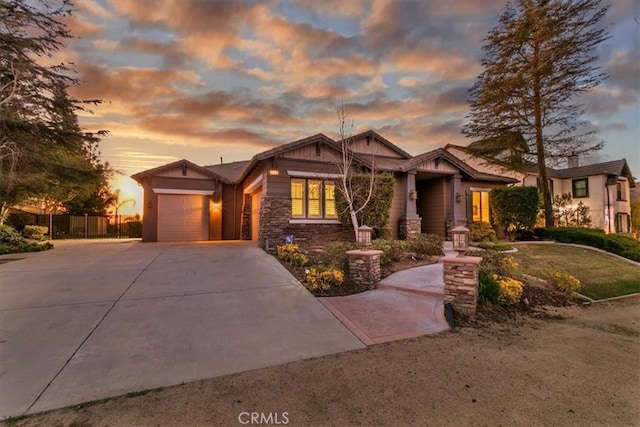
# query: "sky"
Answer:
x=211 y=80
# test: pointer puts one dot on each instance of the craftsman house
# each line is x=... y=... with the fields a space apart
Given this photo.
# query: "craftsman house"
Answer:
x=603 y=187
x=290 y=190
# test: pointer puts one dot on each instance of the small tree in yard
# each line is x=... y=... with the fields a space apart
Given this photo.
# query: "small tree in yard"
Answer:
x=566 y=215
x=515 y=208
x=539 y=57
x=355 y=197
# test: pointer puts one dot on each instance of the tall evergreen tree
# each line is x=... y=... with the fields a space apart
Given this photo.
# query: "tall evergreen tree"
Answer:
x=44 y=154
x=538 y=59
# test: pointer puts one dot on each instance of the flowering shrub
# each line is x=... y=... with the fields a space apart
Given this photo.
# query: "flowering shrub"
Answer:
x=510 y=290
x=563 y=282
x=285 y=251
x=324 y=280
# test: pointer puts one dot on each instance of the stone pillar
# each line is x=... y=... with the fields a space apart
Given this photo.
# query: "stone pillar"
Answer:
x=410 y=224
x=461 y=282
x=364 y=267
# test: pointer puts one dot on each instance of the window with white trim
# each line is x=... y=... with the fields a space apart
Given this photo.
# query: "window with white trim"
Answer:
x=313 y=199
x=480 y=206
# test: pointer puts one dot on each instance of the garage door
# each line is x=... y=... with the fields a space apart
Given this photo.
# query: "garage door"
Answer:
x=183 y=217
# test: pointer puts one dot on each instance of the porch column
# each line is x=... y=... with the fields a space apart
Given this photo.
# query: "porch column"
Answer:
x=410 y=222
x=457 y=210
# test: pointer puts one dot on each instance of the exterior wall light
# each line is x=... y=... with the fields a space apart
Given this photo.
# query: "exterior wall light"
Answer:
x=460 y=236
x=364 y=235
x=413 y=195
x=274 y=172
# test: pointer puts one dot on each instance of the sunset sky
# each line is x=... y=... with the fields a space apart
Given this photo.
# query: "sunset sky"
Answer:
x=203 y=80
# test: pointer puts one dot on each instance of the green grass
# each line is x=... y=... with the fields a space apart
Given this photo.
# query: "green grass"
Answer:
x=602 y=276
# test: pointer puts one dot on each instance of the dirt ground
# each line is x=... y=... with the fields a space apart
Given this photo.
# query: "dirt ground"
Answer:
x=578 y=366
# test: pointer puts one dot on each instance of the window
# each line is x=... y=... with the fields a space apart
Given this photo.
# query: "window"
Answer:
x=313 y=199
x=620 y=193
x=580 y=187
x=480 y=206
x=539 y=184
x=622 y=223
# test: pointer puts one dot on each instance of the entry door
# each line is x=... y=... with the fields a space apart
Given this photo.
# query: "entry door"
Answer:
x=183 y=217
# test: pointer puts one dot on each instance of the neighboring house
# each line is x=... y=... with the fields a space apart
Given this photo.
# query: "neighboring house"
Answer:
x=603 y=187
x=290 y=190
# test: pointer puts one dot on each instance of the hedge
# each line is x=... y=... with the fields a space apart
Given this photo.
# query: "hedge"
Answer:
x=620 y=245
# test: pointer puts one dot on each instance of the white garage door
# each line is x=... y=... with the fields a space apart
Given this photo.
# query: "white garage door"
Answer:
x=183 y=217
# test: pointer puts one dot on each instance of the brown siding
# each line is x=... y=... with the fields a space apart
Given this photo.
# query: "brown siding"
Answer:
x=398 y=204
x=231 y=205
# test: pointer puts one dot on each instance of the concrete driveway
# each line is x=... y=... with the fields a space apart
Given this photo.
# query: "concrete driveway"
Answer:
x=93 y=319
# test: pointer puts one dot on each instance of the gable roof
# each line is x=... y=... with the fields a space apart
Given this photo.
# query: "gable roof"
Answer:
x=383 y=140
x=232 y=171
x=184 y=162
x=465 y=168
x=613 y=168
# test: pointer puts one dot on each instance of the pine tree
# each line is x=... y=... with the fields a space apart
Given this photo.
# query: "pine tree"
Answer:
x=538 y=59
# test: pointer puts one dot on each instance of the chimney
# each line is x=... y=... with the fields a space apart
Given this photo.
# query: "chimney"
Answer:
x=221 y=160
x=573 y=161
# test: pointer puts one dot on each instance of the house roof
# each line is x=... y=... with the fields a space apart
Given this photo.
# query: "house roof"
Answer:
x=232 y=171
x=140 y=175
x=383 y=140
x=465 y=168
x=614 y=168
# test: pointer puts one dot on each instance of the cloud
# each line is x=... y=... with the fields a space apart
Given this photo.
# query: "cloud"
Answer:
x=337 y=8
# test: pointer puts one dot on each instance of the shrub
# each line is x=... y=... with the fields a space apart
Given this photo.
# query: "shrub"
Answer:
x=24 y=246
x=334 y=255
x=510 y=290
x=392 y=250
x=425 y=245
x=35 y=232
x=488 y=289
x=298 y=260
x=134 y=228
x=481 y=232
x=285 y=251
x=563 y=282
x=620 y=245
x=496 y=263
x=11 y=236
x=515 y=208
x=324 y=279
x=376 y=213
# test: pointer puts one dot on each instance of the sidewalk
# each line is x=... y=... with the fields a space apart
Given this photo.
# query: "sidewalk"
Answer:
x=405 y=304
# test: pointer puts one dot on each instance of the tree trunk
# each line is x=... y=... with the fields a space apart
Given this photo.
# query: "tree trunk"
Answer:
x=540 y=149
x=354 y=222
x=4 y=212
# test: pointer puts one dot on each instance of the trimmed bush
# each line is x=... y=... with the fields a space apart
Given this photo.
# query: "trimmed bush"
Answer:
x=624 y=246
x=425 y=245
x=392 y=250
x=25 y=246
x=496 y=263
x=334 y=255
x=35 y=232
x=481 y=231
x=515 y=208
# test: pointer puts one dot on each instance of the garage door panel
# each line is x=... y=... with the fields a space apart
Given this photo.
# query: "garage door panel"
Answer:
x=182 y=217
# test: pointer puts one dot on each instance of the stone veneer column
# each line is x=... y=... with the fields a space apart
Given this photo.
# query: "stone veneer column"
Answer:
x=461 y=282
x=410 y=228
x=364 y=266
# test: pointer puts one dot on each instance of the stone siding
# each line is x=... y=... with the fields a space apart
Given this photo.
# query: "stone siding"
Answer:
x=409 y=228
x=364 y=267
x=275 y=213
x=461 y=282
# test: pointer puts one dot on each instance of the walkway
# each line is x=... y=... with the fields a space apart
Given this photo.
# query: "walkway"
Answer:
x=405 y=304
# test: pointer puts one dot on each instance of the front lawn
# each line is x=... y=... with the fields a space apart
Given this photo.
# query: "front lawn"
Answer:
x=602 y=276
